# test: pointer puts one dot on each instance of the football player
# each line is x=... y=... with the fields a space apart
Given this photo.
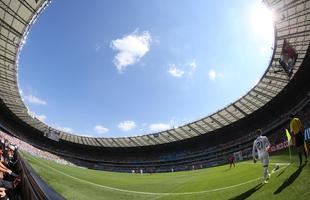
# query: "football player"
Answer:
x=261 y=145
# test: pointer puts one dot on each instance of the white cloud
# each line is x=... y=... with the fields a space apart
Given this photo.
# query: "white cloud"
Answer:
x=126 y=125
x=174 y=71
x=41 y=117
x=159 y=127
x=35 y=100
x=193 y=65
x=186 y=69
x=130 y=49
x=101 y=129
x=214 y=74
x=64 y=129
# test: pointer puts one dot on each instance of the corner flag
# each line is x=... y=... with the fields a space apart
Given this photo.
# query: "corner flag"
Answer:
x=288 y=135
x=289 y=141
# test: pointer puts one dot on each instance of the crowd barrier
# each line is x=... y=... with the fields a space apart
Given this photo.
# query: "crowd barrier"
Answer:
x=32 y=185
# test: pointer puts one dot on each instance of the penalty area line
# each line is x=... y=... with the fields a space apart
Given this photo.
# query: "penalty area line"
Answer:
x=159 y=193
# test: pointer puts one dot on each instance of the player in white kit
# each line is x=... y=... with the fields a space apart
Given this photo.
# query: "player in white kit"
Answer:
x=261 y=145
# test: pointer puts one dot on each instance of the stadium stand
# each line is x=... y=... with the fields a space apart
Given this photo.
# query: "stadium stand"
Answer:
x=291 y=25
x=23 y=146
x=24 y=183
x=202 y=143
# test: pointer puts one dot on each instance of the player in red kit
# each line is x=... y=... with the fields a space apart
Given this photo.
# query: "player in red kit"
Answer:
x=231 y=160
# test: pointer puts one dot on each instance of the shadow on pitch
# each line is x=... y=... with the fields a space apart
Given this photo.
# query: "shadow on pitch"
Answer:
x=290 y=180
x=281 y=172
x=248 y=193
x=225 y=170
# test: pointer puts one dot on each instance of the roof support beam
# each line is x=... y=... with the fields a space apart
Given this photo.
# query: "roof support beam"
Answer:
x=251 y=102
x=187 y=132
x=292 y=35
x=201 y=127
x=8 y=40
x=294 y=26
x=246 y=106
x=175 y=135
x=142 y=140
x=13 y=14
x=167 y=137
x=136 y=141
x=267 y=90
x=10 y=28
x=120 y=142
x=208 y=124
x=279 y=79
x=257 y=98
x=195 y=130
x=133 y=141
x=299 y=43
x=6 y=59
x=273 y=84
x=290 y=5
x=152 y=139
x=264 y=94
x=7 y=51
x=232 y=114
x=223 y=117
x=98 y=141
x=28 y=6
x=216 y=121
x=239 y=109
x=159 y=138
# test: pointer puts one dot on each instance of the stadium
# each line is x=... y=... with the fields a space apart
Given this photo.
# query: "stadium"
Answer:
x=184 y=162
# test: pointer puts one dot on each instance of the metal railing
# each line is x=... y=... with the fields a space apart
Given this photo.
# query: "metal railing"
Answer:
x=32 y=185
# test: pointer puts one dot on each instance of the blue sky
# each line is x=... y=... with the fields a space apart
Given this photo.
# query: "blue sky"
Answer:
x=121 y=68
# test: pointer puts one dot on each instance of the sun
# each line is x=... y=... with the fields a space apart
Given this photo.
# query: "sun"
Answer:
x=261 y=19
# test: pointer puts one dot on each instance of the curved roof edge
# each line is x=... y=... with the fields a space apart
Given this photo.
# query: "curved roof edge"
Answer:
x=291 y=24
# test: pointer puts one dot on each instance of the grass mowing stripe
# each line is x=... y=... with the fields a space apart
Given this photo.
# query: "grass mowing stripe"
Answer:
x=162 y=194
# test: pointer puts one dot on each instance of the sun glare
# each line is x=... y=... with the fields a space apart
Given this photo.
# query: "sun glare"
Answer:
x=262 y=21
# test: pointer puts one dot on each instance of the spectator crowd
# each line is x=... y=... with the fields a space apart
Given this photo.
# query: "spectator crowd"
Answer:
x=9 y=179
x=23 y=146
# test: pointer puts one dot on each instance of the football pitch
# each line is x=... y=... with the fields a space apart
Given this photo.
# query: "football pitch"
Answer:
x=242 y=182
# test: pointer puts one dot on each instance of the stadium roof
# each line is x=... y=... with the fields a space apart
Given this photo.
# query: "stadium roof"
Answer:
x=292 y=23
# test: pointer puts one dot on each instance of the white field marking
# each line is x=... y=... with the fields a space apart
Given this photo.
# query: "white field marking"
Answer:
x=161 y=193
x=251 y=163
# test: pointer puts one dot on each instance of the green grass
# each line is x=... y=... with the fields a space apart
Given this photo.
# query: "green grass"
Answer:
x=289 y=182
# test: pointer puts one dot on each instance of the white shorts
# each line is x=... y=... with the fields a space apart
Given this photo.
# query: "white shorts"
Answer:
x=265 y=159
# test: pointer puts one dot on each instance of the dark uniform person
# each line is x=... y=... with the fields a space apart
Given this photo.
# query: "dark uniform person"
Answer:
x=297 y=131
